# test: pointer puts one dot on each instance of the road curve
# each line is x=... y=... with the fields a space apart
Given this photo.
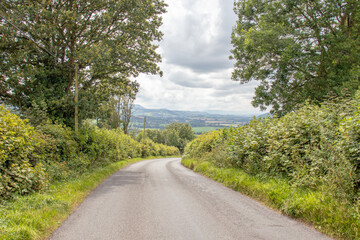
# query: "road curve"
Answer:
x=161 y=199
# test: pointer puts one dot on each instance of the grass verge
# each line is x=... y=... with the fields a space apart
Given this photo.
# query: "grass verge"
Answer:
x=35 y=216
x=325 y=213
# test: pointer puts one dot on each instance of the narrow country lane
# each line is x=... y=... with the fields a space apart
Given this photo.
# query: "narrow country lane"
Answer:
x=161 y=199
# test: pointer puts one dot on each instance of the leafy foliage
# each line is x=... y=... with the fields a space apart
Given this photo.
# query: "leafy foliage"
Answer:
x=315 y=147
x=306 y=163
x=298 y=50
x=20 y=161
x=42 y=41
x=29 y=157
x=149 y=148
x=175 y=134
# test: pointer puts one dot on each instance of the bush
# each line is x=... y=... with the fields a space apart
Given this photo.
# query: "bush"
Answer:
x=247 y=146
x=175 y=134
x=149 y=148
x=30 y=158
x=316 y=147
x=20 y=156
x=103 y=146
x=71 y=154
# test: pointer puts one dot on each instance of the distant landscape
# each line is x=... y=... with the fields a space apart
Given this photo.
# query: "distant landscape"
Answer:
x=199 y=121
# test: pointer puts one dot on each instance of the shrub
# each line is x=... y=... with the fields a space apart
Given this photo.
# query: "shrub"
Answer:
x=315 y=147
x=247 y=146
x=20 y=158
x=54 y=152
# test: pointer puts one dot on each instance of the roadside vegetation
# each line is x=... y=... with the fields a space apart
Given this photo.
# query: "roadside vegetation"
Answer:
x=305 y=159
x=30 y=158
x=66 y=99
x=305 y=163
x=174 y=134
x=35 y=216
x=47 y=169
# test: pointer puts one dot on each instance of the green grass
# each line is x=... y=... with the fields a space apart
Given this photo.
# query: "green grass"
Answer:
x=205 y=129
x=330 y=216
x=35 y=216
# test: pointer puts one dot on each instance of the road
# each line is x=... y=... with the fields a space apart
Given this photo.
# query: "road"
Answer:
x=161 y=199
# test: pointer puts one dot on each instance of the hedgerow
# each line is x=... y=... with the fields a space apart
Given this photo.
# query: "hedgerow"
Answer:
x=314 y=152
x=31 y=158
x=21 y=170
x=316 y=147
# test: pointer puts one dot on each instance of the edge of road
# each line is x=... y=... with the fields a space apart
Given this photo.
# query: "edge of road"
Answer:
x=37 y=215
x=311 y=208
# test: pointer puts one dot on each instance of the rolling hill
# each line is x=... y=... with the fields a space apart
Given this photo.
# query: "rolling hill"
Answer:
x=200 y=121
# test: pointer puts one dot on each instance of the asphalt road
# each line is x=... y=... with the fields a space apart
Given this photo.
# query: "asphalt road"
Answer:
x=161 y=199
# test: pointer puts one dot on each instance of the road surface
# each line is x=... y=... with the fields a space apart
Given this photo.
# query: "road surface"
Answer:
x=161 y=199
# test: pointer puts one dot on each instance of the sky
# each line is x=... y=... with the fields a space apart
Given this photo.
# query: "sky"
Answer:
x=195 y=60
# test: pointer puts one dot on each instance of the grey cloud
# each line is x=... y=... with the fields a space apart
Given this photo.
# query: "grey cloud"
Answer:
x=234 y=88
x=231 y=92
x=200 y=64
x=222 y=93
x=196 y=66
x=185 y=80
x=237 y=86
x=188 y=46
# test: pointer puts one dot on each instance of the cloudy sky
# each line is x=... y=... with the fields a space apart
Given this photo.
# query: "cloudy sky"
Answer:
x=197 y=70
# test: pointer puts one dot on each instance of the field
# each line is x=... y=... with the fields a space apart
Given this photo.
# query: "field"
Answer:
x=200 y=121
x=200 y=130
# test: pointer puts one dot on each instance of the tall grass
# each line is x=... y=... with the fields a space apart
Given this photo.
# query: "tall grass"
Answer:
x=336 y=218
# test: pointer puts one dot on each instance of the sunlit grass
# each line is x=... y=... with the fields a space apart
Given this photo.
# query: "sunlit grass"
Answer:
x=327 y=214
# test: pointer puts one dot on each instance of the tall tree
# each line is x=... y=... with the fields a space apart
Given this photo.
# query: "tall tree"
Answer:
x=297 y=49
x=121 y=107
x=126 y=103
x=41 y=40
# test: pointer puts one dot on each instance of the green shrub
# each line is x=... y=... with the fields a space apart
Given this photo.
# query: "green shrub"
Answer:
x=21 y=171
x=149 y=148
x=316 y=147
x=204 y=143
x=30 y=158
x=104 y=146
x=247 y=146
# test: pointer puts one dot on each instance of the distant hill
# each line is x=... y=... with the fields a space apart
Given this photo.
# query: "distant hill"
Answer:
x=200 y=121
x=265 y=115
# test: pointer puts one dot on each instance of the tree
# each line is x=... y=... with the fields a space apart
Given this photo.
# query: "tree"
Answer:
x=122 y=107
x=178 y=135
x=42 y=40
x=155 y=135
x=174 y=134
x=298 y=50
x=126 y=106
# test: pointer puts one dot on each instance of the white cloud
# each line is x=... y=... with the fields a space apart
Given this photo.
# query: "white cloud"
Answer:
x=197 y=70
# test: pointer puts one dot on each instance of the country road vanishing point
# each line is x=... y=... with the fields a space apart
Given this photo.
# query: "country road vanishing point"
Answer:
x=161 y=199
